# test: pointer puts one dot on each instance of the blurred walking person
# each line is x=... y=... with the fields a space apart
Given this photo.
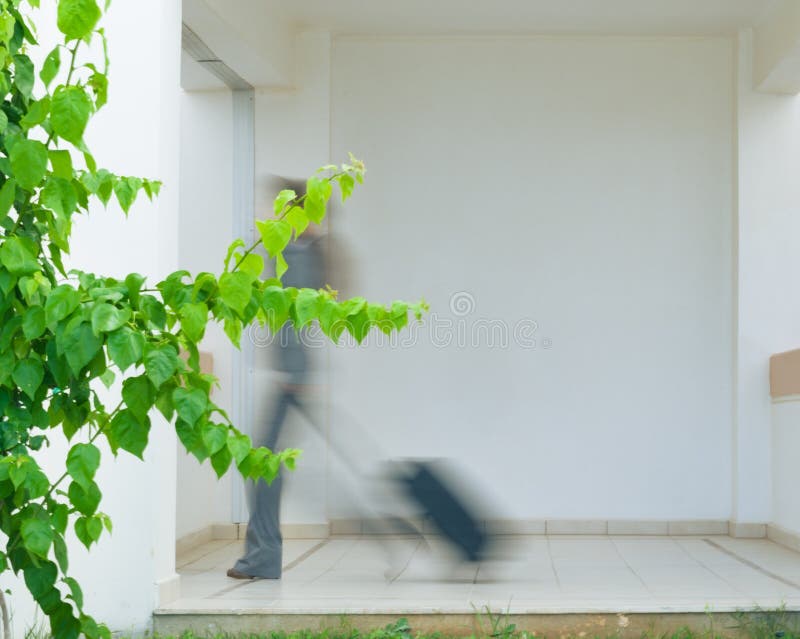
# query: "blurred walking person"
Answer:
x=264 y=543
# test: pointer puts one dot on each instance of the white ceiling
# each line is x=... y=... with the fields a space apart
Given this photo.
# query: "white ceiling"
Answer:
x=255 y=36
x=503 y=16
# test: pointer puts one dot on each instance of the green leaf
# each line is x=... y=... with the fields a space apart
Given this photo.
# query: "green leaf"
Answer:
x=318 y=192
x=275 y=235
x=89 y=626
x=253 y=265
x=236 y=290
x=29 y=287
x=191 y=404
x=108 y=377
x=191 y=439
x=289 y=457
x=358 y=325
x=193 y=320
x=59 y=196
x=331 y=320
x=125 y=347
x=275 y=303
x=233 y=329
x=346 y=184
x=215 y=437
x=152 y=186
x=23 y=75
x=3 y=121
x=40 y=577
x=7 y=196
x=18 y=255
x=237 y=244
x=61 y=161
x=160 y=363
x=134 y=283
x=18 y=471
x=139 y=395
x=398 y=315
x=240 y=446
x=280 y=265
x=297 y=217
x=88 y=530
x=262 y=464
x=100 y=183
x=28 y=375
x=126 y=191
x=107 y=523
x=419 y=309
x=99 y=84
x=69 y=112
x=52 y=63
x=75 y=591
x=79 y=344
x=85 y=500
x=59 y=229
x=36 y=483
x=91 y=163
x=60 y=552
x=83 y=461
x=283 y=198
x=59 y=516
x=33 y=323
x=164 y=401
x=107 y=318
x=29 y=163
x=37 y=536
x=378 y=316
x=61 y=302
x=306 y=307
x=221 y=461
x=6 y=366
x=7 y=27
x=77 y=18
x=129 y=433
x=37 y=113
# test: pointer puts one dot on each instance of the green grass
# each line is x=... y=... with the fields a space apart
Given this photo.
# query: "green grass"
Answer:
x=752 y=624
x=757 y=624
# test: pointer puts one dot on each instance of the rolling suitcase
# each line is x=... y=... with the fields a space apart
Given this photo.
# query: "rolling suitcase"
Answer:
x=425 y=486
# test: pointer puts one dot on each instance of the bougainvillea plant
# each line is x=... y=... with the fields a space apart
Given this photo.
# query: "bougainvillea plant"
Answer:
x=63 y=332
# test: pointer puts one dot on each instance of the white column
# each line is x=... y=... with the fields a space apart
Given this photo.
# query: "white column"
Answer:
x=163 y=444
x=767 y=308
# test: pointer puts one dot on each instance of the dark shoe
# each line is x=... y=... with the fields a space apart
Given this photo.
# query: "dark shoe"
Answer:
x=235 y=574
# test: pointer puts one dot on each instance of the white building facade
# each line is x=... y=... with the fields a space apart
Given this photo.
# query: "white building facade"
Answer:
x=600 y=205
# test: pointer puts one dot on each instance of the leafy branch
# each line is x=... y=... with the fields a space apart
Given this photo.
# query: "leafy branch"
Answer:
x=62 y=333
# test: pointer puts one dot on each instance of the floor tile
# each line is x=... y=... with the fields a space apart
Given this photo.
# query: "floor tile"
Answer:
x=523 y=574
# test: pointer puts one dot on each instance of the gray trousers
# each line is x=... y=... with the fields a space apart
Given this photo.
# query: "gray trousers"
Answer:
x=263 y=555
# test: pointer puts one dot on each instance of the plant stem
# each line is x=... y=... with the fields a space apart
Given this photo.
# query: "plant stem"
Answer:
x=100 y=428
x=72 y=62
x=4 y=611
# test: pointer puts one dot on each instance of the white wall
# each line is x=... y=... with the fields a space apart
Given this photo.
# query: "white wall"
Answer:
x=123 y=576
x=206 y=225
x=768 y=263
x=785 y=469
x=582 y=183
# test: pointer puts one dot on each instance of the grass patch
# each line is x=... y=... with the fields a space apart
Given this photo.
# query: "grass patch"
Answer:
x=755 y=624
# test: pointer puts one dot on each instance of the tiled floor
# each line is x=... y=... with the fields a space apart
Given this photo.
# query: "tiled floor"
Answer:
x=534 y=574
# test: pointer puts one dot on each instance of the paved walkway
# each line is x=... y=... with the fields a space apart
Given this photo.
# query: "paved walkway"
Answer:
x=533 y=574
